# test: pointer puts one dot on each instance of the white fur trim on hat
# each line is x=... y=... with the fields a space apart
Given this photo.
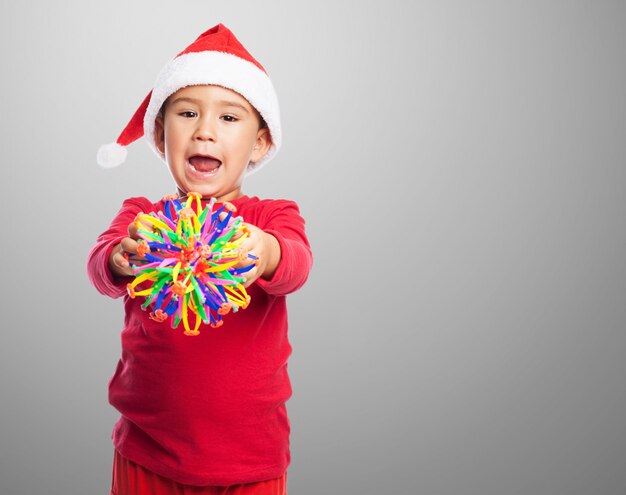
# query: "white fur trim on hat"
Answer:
x=220 y=69
x=111 y=155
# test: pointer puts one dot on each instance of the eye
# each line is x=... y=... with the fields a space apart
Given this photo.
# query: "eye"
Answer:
x=229 y=118
x=188 y=114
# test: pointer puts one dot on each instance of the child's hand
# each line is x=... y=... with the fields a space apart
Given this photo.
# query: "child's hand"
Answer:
x=118 y=261
x=266 y=248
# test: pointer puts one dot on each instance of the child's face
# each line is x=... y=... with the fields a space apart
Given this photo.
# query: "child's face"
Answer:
x=208 y=134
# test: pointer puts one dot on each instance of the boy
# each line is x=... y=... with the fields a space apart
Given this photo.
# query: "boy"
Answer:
x=206 y=414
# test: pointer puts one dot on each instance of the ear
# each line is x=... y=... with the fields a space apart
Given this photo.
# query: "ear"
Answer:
x=261 y=145
x=159 y=135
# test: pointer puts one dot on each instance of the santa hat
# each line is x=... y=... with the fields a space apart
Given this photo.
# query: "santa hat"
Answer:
x=215 y=57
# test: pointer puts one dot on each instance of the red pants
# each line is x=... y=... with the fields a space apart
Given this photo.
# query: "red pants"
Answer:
x=132 y=479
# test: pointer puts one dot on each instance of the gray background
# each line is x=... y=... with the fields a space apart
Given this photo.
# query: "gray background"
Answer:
x=461 y=166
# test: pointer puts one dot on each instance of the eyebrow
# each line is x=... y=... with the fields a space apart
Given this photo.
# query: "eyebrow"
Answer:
x=230 y=103
x=227 y=103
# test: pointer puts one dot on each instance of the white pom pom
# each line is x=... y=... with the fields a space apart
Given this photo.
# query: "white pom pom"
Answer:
x=111 y=155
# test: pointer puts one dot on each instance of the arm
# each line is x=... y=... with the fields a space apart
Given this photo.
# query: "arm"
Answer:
x=99 y=258
x=285 y=257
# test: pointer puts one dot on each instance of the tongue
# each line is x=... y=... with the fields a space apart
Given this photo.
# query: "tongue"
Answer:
x=204 y=164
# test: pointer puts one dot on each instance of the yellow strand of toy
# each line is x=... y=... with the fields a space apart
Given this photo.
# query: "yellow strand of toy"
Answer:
x=159 y=224
x=142 y=278
x=221 y=268
x=188 y=330
x=175 y=272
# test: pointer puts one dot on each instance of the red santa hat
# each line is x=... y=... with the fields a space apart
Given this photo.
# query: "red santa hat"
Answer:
x=215 y=57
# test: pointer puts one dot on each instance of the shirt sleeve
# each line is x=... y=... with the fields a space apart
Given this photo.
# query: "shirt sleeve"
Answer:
x=284 y=222
x=98 y=259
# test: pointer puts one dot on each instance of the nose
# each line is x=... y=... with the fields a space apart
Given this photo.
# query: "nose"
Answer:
x=205 y=130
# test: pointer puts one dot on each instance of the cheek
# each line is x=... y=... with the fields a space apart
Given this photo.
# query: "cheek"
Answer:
x=174 y=136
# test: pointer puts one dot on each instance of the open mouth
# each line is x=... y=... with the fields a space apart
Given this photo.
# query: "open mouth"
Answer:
x=204 y=164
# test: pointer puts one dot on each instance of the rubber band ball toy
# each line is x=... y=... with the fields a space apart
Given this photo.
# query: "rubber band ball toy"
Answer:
x=187 y=262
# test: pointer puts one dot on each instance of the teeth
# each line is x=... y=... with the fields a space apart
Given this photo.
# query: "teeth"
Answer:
x=203 y=171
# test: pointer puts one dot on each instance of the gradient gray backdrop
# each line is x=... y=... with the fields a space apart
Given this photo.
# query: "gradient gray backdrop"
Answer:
x=462 y=167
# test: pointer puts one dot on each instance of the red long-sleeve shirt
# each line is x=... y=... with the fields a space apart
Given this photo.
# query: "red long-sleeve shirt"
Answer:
x=208 y=410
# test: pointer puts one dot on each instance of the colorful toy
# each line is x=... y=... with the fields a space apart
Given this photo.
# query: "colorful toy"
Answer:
x=189 y=261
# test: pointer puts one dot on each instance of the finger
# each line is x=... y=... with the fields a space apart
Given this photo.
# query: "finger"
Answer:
x=129 y=245
x=251 y=276
x=120 y=260
x=254 y=269
x=134 y=227
x=122 y=265
x=132 y=231
x=248 y=244
x=254 y=273
x=246 y=257
x=244 y=229
x=236 y=235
